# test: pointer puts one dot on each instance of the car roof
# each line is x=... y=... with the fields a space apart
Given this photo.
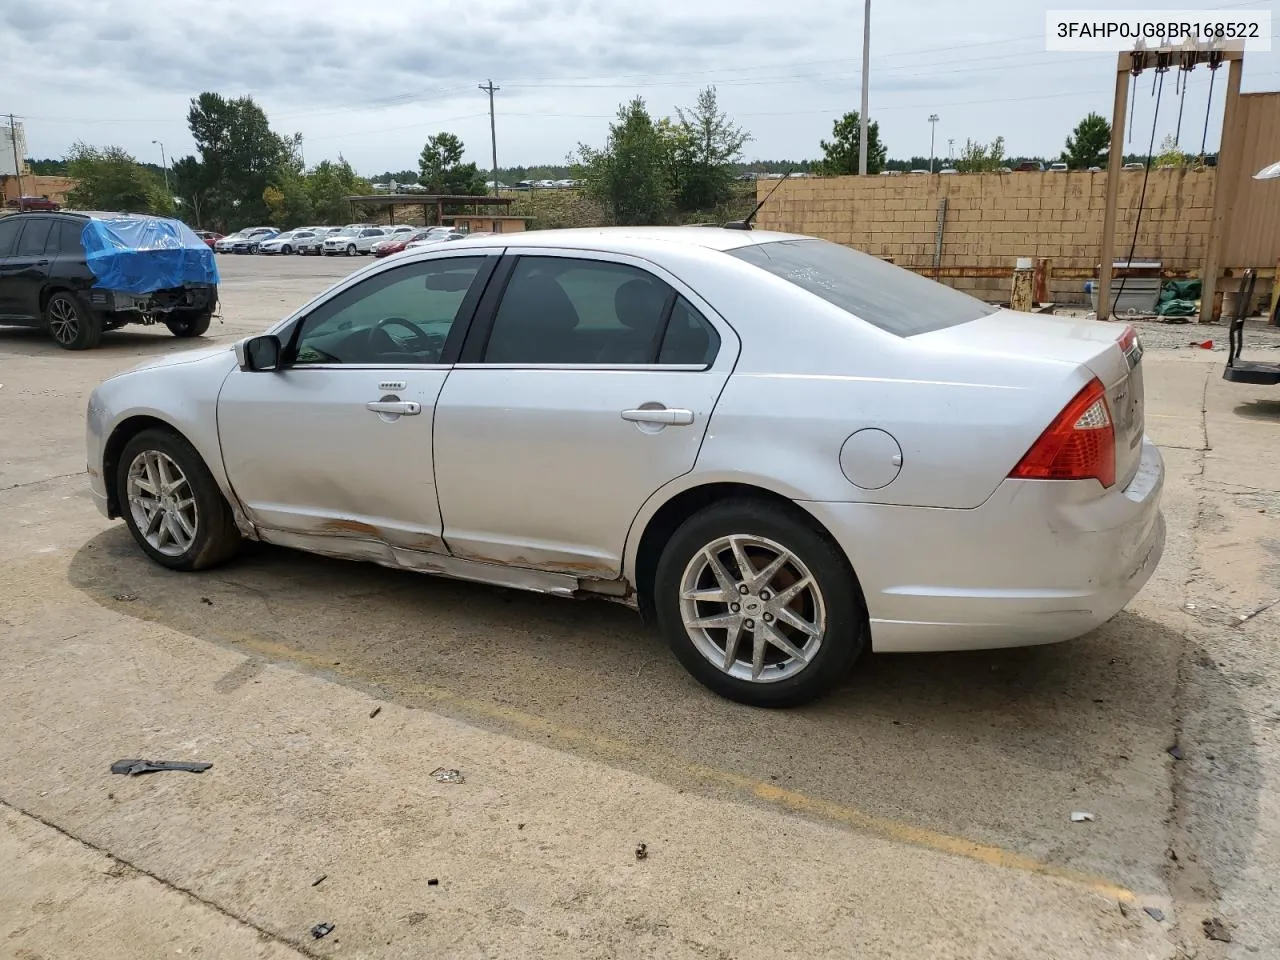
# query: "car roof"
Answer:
x=622 y=239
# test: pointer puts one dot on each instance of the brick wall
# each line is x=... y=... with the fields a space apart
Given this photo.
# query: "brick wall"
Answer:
x=992 y=219
x=55 y=188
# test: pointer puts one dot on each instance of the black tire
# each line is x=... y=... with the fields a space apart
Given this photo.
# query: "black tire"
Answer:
x=216 y=538
x=845 y=632
x=351 y=249
x=189 y=323
x=71 y=323
x=286 y=249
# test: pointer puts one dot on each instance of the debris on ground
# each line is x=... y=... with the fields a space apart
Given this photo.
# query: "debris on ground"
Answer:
x=1124 y=909
x=1176 y=752
x=1262 y=609
x=444 y=775
x=642 y=851
x=320 y=879
x=1155 y=913
x=206 y=601
x=433 y=882
x=1081 y=817
x=134 y=767
x=1215 y=929
x=374 y=712
x=321 y=930
x=414 y=919
x=126 y=597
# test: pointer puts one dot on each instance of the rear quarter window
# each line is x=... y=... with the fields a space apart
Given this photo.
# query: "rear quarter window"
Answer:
x=882 y=294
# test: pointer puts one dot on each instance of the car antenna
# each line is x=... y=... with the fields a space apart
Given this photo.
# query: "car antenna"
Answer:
x=745 y=224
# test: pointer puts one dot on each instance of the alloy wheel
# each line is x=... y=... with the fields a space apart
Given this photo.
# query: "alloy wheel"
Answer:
x=64 y=321
x=162 y=503
x=752 y=608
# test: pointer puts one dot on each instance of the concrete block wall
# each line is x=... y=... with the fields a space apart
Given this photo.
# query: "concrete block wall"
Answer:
x=994 y=218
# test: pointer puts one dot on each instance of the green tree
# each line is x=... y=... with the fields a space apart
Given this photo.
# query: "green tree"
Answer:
x=193 y=190
x=981 y=157
x=108 y=178
x=840 y=155
x=1089 y=143
x=629 y=176
x=704 y=147
x=241 y=157
x=441 y=170
x=327 y=188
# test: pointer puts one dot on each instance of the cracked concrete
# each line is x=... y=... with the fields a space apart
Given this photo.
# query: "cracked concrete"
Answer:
x=921 y=811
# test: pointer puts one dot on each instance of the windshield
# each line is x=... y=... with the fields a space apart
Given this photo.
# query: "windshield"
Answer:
x=889 y=297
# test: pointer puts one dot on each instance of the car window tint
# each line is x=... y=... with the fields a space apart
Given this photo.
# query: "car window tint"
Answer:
x=69 y=242
x=560 y=310
x=33 y=239
x=892 y=298
x=689 y=338
x=354 y=326
x=9 y=227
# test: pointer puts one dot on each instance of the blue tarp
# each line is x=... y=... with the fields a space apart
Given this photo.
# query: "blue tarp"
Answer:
x=140 y=255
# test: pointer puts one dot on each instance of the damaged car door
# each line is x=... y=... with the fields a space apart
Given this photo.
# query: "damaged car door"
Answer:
x=326 y=427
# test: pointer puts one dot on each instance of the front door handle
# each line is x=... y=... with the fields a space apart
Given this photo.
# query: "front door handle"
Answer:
x=404 y=408
x=668 y=417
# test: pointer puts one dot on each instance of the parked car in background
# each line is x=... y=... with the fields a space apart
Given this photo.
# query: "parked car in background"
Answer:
x=435 y=235
x=32 y=203
x=353 y=242
x=228 y=243
x=48 y=278
x=1058 y=167
x=311 y=246
x=209 y=237
x=287 y=242
x=250 y=243
x=783 y=451
x=1030 y=166
x=394 y=244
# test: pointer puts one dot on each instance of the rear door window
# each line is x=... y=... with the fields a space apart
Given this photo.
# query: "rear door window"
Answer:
x=34 y=237
x=68 y=239
x=889 y=297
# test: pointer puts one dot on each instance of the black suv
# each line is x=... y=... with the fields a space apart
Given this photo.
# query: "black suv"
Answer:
x=45 y=281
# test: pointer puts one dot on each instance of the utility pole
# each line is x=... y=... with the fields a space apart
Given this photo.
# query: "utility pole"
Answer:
x=17 y=160
x=951 y=149
x=866 y=74
x=490 y=89
x=933 y=128
x=164 y=162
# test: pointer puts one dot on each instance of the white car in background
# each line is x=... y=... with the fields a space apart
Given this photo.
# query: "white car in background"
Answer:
x=311 y=245
x=433 y=236
x=353 y=242
x=287 y=242
x=784 y=452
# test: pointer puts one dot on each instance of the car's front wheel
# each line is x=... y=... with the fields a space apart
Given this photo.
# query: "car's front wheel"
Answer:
x=189 y=323
x=172 y=504
x=759 y=604
x=286 y=249
x=351 y=249
x=72 y=325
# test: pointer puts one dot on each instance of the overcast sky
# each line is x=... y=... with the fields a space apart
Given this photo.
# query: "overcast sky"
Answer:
x=372 y=80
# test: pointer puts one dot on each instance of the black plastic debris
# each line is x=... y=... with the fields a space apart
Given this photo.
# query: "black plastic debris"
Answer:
x=320 y=879
x=1155 y=913
x=206 y=601
x=1176 y=752
x=321 y=930
x=642 y=851
x=134 y=767
x=1215 y=929
x=433 y=882
x=374 y=712
x=126 y=597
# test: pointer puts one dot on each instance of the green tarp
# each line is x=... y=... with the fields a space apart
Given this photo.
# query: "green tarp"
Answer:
x=1179 y=298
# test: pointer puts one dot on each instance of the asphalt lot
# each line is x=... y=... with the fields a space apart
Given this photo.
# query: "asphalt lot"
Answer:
x=924 y=810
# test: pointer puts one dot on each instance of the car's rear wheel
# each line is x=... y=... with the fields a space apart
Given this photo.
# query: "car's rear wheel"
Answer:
x=759 y=604
x=286 y=249
x=72 y=325
x=351 y=249
x=172 y=504
x=189 y=323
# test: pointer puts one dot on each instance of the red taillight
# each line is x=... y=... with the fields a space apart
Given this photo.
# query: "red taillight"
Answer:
x=1128 y=339
x=1080 y=443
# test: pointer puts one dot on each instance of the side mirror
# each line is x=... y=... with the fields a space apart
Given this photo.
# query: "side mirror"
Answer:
x=259 y=354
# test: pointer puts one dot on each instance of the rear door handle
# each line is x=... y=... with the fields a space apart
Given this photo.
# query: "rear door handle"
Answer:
x=675 y=417
x=405 y=408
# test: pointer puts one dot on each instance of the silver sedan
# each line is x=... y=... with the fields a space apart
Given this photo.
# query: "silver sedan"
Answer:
x=783 y=451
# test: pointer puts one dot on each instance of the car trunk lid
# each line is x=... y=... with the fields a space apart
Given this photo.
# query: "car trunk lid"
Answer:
x=1111 y=352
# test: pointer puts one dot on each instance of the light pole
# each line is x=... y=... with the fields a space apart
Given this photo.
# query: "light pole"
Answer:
x=933 y=128
x=951 y=149
x=866 y=75
x=164 y=162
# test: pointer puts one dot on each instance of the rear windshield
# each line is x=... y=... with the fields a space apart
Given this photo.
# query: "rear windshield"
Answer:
x=887 y=296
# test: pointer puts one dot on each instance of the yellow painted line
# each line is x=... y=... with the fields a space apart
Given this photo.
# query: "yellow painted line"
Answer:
x=921 y=837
